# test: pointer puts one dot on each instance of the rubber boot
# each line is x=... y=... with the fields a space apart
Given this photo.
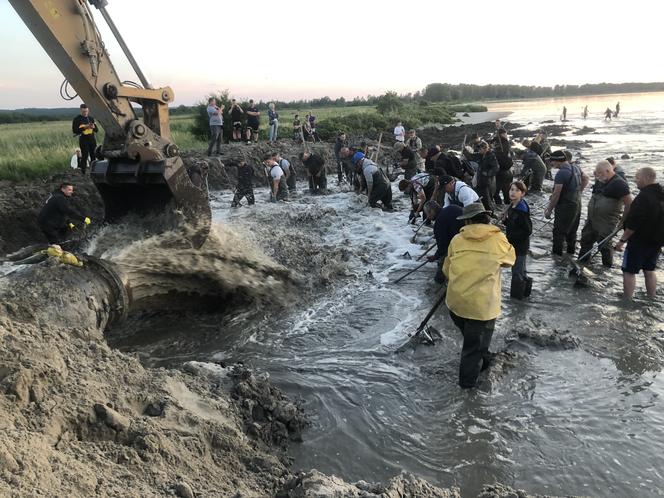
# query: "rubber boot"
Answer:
x=529 y=287
x=517 y=287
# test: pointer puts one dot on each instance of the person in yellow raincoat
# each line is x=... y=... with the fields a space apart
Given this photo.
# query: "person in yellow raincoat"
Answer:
x=472 y=266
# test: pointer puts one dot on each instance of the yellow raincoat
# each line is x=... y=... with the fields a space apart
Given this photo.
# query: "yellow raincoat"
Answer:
x=472 y=267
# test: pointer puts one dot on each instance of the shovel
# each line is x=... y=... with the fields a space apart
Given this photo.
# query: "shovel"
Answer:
x=426 y=252
x=425 y=334
x=579 y=269
x=414 y=237
x=411 y=271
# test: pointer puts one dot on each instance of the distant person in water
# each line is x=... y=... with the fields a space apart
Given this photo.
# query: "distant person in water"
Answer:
x=564 y=114
x=615 y=114
x=585 y=112
x=607 y=114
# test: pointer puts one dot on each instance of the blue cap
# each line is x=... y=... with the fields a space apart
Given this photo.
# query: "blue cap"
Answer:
x=357 y=156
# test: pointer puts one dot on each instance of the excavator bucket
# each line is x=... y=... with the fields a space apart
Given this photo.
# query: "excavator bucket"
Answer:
x=132 y=187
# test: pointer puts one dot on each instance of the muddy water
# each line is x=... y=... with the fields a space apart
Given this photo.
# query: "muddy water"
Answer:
x=586 y=421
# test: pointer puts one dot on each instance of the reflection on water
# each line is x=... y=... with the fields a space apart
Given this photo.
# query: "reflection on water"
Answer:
x=586 y=421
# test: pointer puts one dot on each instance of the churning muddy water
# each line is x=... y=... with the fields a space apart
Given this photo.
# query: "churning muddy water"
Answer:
x=575 y=407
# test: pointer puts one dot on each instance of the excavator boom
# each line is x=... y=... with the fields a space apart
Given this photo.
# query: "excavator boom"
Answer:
x=138 y=167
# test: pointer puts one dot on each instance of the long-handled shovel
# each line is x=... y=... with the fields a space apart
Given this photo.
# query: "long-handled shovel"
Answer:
x=411 y=271
x=414 y=237
x=426 y=252
x=425 y=333
x=579 y=266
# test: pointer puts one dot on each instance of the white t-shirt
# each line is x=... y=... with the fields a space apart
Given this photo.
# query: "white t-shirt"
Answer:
x=399 y=133
x=276 y=172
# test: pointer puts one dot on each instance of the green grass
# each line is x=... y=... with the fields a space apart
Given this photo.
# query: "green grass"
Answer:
x=34 y=150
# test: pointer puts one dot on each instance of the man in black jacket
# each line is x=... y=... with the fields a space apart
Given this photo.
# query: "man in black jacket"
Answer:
x=486 y=174
x=445 y=227
x=83 y=126
x=644 y=233
x=315 y=171
x=57 y=216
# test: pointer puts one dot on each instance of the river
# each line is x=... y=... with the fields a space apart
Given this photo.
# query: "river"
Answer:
x=584 y=421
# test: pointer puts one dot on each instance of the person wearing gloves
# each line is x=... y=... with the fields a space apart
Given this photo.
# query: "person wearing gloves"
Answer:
x=58 y=216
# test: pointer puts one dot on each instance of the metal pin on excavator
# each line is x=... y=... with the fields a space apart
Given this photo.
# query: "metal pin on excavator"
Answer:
x=138 y=167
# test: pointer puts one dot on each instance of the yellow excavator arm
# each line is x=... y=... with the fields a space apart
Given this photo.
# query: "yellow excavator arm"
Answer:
x=138 y=167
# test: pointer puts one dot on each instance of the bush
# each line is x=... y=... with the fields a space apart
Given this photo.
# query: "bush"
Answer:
x=389 y=103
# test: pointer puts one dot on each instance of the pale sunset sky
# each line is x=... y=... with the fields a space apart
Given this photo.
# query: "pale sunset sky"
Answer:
x=293 y=49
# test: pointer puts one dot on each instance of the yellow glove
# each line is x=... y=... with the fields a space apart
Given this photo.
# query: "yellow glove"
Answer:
x=87 y=220
x=71 y=226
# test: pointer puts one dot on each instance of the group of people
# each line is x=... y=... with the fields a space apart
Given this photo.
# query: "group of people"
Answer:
x=245 y=123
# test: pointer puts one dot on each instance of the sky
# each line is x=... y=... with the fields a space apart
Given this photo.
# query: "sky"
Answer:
x=292 y=49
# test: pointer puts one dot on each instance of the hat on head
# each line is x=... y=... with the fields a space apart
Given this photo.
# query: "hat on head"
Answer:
x=445 y=179
x=558 y=155
x=472 y=210
x=357 y=156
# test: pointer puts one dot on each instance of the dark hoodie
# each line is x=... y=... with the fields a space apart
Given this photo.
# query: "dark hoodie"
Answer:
x=58 y=211
x=519 y=227
x=646 y=216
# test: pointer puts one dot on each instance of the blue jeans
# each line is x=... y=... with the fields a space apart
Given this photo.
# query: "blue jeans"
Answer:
x=272 y=131
x=215 y=138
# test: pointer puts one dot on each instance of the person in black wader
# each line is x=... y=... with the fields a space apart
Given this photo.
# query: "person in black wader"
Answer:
x=379 y=188
x=486 y=174
x=58 y=217
x=519 y=228
x=446 y=226
x=83 y=126
x=504 y=177
x=566 y=201
x=245 y=185
x=315 y=171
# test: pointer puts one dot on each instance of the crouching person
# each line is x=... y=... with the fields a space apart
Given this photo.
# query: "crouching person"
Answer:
x=379 y=188
x=278 y=188
x=472 y=267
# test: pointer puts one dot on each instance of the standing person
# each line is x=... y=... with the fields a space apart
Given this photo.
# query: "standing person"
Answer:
x=585 y=112
x=273 y=120
x=253 y=123
x=306 y=129
x=236 y=120
x=564 y=113
x=58 y=215
x=216 y=125
x=472 y=266
x=605 y=211
x=615 y=114
x=312 y=125
x=457 y=193
x=607 y=114
x=486 y=174
x=644 y=233
x=288 y=169
x=446 y=226
x=519 y=228
x=339 y=144
x=408 y=162
x=504 y=176
x=245 y=185
x=297 y=129
x=315 y=165
x=533 y=170
x=414 y=143
x=617 y=168
x=399 y=133
x=566 y=201
x=278 y=188
x=84 y=127
x=379 y=188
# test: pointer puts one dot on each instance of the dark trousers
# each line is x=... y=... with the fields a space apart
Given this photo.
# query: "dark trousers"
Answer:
x=87 y=146
x=340 y=170
x=486 y=187
x=503 y=181
x=383 y=193
x=241 y=192
x=54 y=235
x=291 y=181
x=475 y=355
x=565 y=226
x=317 y=182
x=591 y=234
x=216 y=133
